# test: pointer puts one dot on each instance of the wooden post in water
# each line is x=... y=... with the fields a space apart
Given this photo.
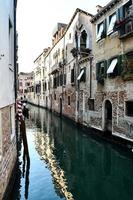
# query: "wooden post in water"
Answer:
x=24 y=139
x=23 y=130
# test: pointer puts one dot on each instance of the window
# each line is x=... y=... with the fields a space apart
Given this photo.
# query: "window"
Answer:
x=76 y=39
x=82 y=75
x=100 y=29
x=10 y=43
x=72 y=75
x=91 y=104
x=54 y=96
x=112 y=21
x=101 y=69
x=64 y=81
x=115 y=66
x=45 y=86
x=112 y=66
x=69 y=36
x=69 y=100
x=20 y=84
x=83 y=40
x=129 y=108
x=61 y=79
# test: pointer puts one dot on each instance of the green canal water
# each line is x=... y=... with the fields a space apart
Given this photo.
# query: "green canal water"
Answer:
x=67 y=163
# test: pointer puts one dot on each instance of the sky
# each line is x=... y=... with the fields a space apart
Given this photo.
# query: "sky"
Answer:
x=36 y=20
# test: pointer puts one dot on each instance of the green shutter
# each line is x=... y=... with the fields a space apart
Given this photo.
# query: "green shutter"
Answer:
x=97 y=71
x=121 y=13
x=104 y=28
x=120 y=67
x=118 y=14
x=105 y=68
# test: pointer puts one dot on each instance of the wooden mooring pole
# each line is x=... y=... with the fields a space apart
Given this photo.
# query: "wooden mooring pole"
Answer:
x=24 y=139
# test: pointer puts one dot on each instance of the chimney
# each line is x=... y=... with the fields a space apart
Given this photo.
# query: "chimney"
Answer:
x=99 y=8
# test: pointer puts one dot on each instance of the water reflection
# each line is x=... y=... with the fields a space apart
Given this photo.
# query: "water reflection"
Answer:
x=25 y=173
x=82 y=168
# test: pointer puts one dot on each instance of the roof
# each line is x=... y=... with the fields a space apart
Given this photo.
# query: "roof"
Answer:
x=78 y=10
x=44 y=51
x=104 y=10
x=26 y=73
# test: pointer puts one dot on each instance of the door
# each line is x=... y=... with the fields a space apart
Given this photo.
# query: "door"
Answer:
x=108 y=116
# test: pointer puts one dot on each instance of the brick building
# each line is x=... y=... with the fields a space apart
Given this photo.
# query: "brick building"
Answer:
x=8 y=69
x=113 y=53
x=25 y=82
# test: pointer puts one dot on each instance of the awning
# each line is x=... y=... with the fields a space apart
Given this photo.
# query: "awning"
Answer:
x=80 y=75
x=112 y=66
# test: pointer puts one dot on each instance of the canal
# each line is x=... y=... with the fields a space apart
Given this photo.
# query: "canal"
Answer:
x=66 y=163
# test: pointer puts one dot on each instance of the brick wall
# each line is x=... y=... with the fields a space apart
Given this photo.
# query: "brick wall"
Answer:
x=9 y=152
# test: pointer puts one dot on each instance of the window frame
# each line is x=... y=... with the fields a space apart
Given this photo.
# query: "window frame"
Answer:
x=111 y=24
x=98 y=30
x=69 y=100
x=128 y=115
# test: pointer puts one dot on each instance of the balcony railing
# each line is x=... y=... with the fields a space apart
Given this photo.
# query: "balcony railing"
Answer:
x=125 y=25
x=54 y=68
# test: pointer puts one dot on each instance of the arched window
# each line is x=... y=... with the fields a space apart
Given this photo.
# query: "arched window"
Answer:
x=83 y=40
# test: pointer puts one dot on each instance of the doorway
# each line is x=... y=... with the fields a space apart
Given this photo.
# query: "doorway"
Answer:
x=108 y=116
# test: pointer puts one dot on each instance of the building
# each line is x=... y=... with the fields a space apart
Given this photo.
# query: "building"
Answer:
x=25 y=83
x=8 y=69
x=40 y=76
x=89 y=77
x=66 y=77
x=113 y=53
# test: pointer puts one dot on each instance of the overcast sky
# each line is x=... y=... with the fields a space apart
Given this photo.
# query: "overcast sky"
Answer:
x=36 y=20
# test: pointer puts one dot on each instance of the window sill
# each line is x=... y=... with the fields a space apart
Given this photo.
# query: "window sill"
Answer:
x=101 y=42
x=113 y=34
x=126 y=35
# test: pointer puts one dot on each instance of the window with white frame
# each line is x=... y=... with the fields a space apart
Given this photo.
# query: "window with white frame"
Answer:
x=112 y=20
x=112 y=66
x=100 y=29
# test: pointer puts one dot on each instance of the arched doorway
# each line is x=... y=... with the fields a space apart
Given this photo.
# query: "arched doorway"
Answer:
x=60 y=106
x=108 y=116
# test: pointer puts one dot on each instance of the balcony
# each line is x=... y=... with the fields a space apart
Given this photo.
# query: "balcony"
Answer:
x=54 y=68
x=125 y=26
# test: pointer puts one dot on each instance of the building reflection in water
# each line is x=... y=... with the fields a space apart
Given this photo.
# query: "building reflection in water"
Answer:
x=45 y=148
x=81 y=167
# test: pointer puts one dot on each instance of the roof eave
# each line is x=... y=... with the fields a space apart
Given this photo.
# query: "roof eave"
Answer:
x=105 y=10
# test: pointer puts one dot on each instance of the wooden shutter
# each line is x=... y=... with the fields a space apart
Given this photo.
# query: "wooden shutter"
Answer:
x=120 y=67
